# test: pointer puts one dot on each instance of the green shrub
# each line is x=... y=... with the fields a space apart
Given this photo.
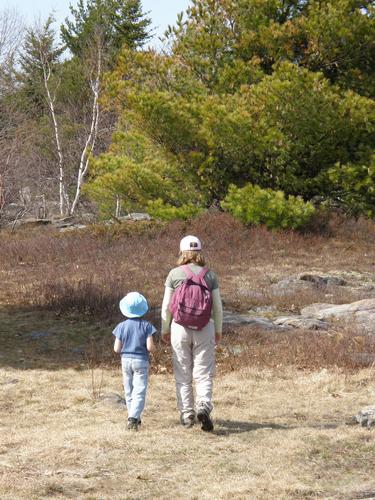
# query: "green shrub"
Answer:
x=254 y=205
x=353 y=187
x=160 y=210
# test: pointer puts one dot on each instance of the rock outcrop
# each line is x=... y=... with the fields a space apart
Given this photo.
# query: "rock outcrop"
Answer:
x=360 y=314
x=302 y=322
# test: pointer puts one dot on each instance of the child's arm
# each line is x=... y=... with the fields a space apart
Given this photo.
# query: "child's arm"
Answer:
x=117 y=346
x=150 y=343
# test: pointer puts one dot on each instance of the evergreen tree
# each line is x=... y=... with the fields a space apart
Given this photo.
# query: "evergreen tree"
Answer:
x=39 y=50
x=117 y=22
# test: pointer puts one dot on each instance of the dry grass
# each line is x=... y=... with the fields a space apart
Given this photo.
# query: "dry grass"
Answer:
x=279 y=434
x=283 y=400
x=89 y=271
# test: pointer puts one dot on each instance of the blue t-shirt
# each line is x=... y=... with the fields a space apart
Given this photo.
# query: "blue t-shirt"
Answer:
x=133 y=334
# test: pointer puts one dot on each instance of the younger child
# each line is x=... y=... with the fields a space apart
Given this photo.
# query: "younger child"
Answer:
x=134 y=340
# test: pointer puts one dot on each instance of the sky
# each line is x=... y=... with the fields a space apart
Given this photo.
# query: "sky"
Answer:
x=162 y=12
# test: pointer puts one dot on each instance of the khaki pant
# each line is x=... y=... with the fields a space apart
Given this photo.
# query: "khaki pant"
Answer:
x=193 y=359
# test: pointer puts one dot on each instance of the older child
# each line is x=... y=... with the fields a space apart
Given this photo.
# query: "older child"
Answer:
x=193 y=348
x=134 y=340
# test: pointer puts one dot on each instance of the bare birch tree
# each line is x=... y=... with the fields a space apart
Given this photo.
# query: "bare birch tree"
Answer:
x=11 y=32
x=46 y=61
x=39 y=63
x=92 y=134
x=51 y=98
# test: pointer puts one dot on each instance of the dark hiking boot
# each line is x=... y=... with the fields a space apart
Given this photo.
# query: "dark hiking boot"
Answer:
x=187 y=421
x=204 y=418
x=132 y=424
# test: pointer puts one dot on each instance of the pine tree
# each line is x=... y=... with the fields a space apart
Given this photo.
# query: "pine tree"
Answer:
x=39 y=49
x=117 y=22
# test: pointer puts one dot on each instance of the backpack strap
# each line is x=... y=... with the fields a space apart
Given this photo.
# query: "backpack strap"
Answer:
x=189 y=273
x=203 y=272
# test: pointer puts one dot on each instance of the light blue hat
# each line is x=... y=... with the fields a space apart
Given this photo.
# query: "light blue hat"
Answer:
x=133 y=305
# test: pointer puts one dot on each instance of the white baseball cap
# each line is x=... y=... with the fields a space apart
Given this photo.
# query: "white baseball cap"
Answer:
x=190 y=243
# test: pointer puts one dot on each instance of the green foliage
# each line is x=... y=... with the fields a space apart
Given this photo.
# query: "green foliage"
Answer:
x=353 y=187
x=336 y=38
x=40 y=54
x=133 y=174
x=237 y=112
x=272 y=93
x=112 y=23
x=253 y=205
x=282 y=132
x=165 y=211
x=339 y=41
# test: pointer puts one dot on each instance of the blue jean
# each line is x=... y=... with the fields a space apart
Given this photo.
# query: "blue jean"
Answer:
x=135 y=373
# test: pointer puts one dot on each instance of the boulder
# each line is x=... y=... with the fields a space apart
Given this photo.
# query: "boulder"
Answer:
x=31 y=222
x=302 y=322
x=366 y=416
x=305 y=281
x=113 y=399
x=323 y=280
x=242 y=319
x=360 y=313
x=134 y=216
x=72 y=227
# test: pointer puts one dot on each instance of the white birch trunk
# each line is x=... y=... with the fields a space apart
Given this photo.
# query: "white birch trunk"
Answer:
x=92 y=135
x=63 y=196
x=118 y=206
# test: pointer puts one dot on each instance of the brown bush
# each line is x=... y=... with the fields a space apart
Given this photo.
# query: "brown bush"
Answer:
x=311 y=350
x=89 y=271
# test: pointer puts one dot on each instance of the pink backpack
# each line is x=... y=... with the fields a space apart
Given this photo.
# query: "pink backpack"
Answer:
x=191 y=303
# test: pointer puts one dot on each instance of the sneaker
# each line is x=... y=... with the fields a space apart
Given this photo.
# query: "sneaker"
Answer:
x=187 y=421
x=204 y=418
x=132 y=424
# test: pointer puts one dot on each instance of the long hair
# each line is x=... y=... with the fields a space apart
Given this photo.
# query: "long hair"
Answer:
x=191 y=257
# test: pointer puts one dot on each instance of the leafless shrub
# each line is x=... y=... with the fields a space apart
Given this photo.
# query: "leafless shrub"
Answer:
x=88 y=272
x=94 y=360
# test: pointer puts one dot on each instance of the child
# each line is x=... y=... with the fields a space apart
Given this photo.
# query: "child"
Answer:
x=134 y=340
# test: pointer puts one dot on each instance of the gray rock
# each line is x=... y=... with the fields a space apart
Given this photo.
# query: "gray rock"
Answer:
x=290 y=286
x=72 y=227
x=113 y=399
x=305 y=281
x=366 y=416
x=236 y=350
x=301 y=322
x=241 y=319
x=360 y=313
x=135 y=216
x=252 y=294
x=32 y=222
x=9 y=381
x=314 y=310
x=323 y=280
x=263 y=309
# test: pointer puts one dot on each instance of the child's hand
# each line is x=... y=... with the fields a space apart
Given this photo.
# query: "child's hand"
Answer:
x=117 y=346
x=166 y=338
x=218 y=337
